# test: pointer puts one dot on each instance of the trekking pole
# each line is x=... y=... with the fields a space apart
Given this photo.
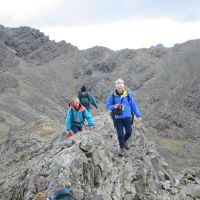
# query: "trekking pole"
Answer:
x=142 y=127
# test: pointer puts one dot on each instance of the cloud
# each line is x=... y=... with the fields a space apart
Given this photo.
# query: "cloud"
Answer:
x=127 y=33
x=82 y=12
x=115 y=24
x=20 y=11
x=177 y=10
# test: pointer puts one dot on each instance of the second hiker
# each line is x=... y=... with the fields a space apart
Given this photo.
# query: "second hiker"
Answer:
x=87 y=99
x=122 y=104
x=76 y=116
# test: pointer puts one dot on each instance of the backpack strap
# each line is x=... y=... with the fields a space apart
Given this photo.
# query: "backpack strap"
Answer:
x=72 y=113
x=83 y=115
x=88 y=97
x=113 y=98
x=129 y=98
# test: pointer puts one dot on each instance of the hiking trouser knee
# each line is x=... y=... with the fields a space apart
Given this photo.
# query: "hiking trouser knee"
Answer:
x=128 y=128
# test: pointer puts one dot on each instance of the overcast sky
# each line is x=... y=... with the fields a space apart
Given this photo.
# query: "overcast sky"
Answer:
x=116 y=24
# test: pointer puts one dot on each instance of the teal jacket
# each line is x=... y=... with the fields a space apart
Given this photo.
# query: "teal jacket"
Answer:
x=77 y=117
x=87 y=100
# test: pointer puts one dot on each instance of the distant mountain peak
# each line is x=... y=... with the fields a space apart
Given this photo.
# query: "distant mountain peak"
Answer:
x=158 y=46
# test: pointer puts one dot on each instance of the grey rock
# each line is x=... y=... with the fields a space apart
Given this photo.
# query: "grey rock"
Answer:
x=161 y=176
x=164 y=164
x=86 y=147
x=190 y=177
x=191 y=190
x=49 y=163
x=105 y=67
x=174 y=191
x=166 y=185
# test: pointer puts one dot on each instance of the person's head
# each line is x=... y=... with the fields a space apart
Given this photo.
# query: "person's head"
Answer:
x=83 y=89
x=40 y=196
x=76 y=102
x=119 y=84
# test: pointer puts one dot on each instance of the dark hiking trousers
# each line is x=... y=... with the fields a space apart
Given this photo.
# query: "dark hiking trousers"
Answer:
x=76 y=129
x=122 y=124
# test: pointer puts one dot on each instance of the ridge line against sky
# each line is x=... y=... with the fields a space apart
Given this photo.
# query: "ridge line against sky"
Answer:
x=116 y=24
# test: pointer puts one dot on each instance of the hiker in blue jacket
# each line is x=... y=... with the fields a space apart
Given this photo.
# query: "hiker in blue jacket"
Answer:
x=76 y=116
x=122 y=105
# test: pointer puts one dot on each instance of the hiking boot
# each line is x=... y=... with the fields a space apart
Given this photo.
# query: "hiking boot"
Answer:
x=122 y=152
x=126 y=146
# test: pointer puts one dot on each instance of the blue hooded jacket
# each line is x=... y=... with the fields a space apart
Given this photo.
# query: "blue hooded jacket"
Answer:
x=128 y=106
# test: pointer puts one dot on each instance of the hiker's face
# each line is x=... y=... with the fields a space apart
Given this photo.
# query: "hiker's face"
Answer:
x=76 y=103
x=120 y=88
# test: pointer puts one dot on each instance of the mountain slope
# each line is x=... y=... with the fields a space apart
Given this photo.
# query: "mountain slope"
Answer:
x=38 y=77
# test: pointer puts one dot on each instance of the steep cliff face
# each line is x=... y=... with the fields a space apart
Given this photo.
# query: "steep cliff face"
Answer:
x=40 y=158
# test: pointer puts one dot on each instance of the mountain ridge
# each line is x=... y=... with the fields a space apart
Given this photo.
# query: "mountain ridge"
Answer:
x=85 y=163
x=37 y=83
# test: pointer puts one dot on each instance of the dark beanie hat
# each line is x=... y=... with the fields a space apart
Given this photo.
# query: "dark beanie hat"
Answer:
x=83 y=88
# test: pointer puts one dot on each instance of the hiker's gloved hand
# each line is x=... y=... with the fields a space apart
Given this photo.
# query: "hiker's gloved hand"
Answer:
x=138 y=119
x=120 y=106
x=68 y=134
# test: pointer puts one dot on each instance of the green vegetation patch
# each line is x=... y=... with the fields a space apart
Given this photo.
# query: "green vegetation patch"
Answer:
x=174 y=145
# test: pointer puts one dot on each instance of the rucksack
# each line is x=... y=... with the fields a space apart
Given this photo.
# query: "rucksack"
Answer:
x=81 y=96
x=62 y=194
x=112 y=113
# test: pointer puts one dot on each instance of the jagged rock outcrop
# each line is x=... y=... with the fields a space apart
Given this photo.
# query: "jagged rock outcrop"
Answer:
x=7 y=56
x=33 y=46
x=41 y=159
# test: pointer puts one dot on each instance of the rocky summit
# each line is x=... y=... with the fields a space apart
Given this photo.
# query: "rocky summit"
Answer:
x=39 y=76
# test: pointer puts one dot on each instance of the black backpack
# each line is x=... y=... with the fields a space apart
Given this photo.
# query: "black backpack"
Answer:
x=112 y=113
x=62 y=194
x=81 y=96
